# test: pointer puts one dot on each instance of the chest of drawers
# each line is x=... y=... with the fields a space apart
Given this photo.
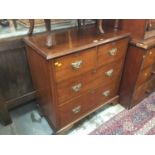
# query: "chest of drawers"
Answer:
x=139 y=74
x=77 y=76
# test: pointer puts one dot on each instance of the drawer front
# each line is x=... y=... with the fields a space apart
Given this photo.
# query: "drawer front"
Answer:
x=111 y=52
x=72 y=111
x=145 y=75
x=144 y=90
x=149 y=58
x=76 y=86
x=74 y=64
x=101 y=95
x=85 y=103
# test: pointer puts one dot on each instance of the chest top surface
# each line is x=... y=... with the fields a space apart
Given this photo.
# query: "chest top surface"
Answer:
x=72 y=40
x=145 y=44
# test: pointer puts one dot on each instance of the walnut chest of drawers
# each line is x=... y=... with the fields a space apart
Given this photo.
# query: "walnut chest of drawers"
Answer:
x=78 y=75
x=138 y=79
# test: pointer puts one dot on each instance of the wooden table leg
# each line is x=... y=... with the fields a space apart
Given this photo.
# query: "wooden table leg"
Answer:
x=116 y=26
x=50 y=40
x=100 y=24
x=31 y=28
x=4 y=114
x=79 y=23
x=84 y=23
x=14 y=23
x=48 y=25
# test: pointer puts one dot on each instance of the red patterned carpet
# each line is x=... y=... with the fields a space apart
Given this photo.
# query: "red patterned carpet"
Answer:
x=139 y=120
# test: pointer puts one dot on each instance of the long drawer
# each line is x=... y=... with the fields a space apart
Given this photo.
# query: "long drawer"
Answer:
x=149 y=58
x=144 y=90
x=74 y=64
x=74 y=87
x=85 y=103
x=111 y=52
x=145 y=75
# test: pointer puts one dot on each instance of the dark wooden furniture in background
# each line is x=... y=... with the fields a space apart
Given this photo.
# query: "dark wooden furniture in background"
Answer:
x=101 y=23
x=78 y=75
x=139 y=28
x=4 y=114
x=15 y=80
x=139 y=74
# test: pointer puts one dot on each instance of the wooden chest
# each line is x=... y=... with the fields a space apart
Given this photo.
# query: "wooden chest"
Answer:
x=139 y=70
x=139 y=29
x=139 y=74
x=77 y=76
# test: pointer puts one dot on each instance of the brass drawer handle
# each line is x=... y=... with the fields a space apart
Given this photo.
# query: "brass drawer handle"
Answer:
x=77 y=87
x=113 y=52
x=77 y=64
x=76 y=109
x=106 y=93
x=58 y=64
x=109 y=73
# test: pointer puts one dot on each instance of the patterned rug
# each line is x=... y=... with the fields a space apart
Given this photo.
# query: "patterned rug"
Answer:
x=140 y=120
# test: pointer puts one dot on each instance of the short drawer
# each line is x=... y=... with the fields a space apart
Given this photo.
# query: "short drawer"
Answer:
x=85 y=103
x=101 y=95
x=145 y=75
x=72 y=111
x=112 y=51
x=75 y=87
x=144 y=90
x=74 y=64
x=149 y=58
